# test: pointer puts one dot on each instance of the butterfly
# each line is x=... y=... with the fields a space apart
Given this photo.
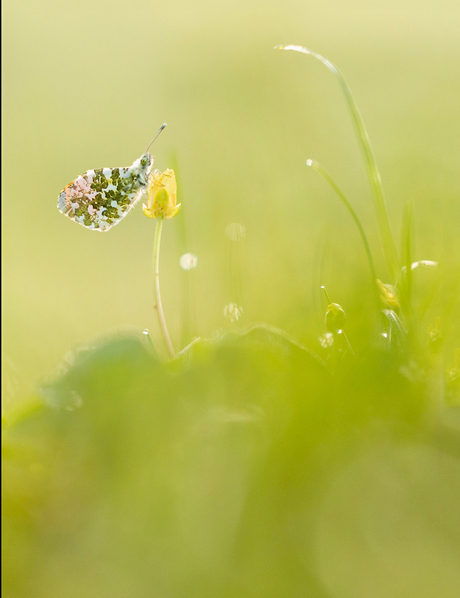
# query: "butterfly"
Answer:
x=100 y=199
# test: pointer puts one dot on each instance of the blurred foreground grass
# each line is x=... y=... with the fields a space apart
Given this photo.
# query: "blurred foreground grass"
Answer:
x=243 y=468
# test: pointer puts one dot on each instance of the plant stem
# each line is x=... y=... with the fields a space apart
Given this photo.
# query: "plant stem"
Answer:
x=328 y=299
x=156 y=288
x=369 y=161
x=327 y=177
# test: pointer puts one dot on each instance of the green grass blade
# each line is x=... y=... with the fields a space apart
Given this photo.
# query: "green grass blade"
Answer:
x=371 y=167
x=327 y=177
x=406 y=252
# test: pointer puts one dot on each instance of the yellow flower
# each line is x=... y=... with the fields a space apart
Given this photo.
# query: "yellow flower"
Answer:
x=162 y=192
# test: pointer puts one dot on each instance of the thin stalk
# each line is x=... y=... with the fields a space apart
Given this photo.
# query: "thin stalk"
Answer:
x=406 y=277
x=156 y=288
x=369 y=161
x=328 y=299
x=327 y=177
x=338 y=333
x=350 y=348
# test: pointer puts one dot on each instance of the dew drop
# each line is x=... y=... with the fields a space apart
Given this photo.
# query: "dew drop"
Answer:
x=326 y=340
x=188 y=261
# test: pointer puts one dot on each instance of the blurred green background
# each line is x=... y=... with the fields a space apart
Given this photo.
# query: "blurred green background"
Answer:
x=87 y=84
x=246 y=470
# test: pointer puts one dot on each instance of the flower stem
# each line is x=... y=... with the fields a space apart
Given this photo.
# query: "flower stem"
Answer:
x=156 y=288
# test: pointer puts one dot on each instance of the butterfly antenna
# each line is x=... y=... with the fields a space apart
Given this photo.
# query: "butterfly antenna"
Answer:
x=156 y=135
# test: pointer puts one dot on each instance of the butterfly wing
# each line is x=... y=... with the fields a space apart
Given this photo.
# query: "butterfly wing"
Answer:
x=100 y=199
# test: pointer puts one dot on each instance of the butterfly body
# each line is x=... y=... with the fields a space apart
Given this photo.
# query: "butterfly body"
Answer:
x=100 y=198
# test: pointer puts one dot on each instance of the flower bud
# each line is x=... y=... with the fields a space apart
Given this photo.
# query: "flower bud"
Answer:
x=335 y=317
x=162 y=192
x=388 y=296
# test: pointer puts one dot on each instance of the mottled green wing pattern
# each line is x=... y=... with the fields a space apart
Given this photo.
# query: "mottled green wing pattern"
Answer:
x=99 y=199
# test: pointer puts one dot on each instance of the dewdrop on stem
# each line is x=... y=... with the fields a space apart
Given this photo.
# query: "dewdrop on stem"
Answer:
x=335 y=316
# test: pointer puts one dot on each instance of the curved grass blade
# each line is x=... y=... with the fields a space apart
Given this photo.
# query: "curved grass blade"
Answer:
x=327 y=177
x=371 y=167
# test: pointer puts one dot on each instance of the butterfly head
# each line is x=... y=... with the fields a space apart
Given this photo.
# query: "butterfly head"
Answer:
x=146 y=161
